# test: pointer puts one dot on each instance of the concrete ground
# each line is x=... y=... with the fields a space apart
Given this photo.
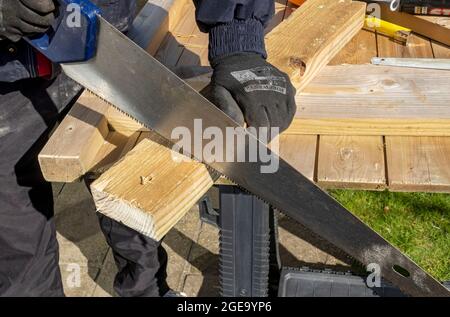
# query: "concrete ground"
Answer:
x=88 y=267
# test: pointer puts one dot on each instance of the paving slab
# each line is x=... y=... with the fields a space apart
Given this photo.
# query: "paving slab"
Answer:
x=78 y=280
x=79 y=235
x=201 y=285
x=105 y=280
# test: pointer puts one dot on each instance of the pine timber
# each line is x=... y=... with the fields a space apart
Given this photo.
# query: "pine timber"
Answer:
x=418 y=163
x=149 y=198
x=127 y=204
x=350 y=161
x=81 y=134
x=415 y=163
x=375 y=100
x=307 y=41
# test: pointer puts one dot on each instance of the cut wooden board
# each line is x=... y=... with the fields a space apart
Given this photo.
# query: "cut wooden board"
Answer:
x=115 y=146
x=351 y=162
x=418 y=163
x=81 y=134
x=142 y=192
x=305 y=42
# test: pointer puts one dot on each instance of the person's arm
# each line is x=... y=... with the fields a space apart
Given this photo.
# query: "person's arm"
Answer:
x=234 y=25
x=19 y=18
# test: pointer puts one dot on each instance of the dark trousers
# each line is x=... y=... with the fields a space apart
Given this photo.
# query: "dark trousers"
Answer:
x=29 y=110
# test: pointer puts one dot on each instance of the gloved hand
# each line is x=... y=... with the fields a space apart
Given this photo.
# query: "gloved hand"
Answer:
x=252 y=91
x=19 y=18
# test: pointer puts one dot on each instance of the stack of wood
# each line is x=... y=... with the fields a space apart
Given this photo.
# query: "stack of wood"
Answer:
x=357 y=125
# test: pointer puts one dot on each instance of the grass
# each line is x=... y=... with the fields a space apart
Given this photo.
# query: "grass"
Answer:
x=416 y=223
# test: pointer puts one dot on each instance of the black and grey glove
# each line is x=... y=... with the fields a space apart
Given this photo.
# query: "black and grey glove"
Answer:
x=19 y=18
x=252 y=91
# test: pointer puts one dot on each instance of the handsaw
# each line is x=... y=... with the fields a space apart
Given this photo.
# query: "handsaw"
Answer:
x=117 y=70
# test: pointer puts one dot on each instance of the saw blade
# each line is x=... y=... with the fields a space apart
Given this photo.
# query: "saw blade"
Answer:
x=129 y=78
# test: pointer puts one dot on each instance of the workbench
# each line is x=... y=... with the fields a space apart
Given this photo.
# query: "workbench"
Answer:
x=334 y=150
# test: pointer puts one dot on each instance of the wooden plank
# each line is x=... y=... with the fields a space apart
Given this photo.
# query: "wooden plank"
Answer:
x=155 y=193
x=78 y=141
x=357 y=100
x=359 y=50
x=417 y=47
x=115 y=146
x=375 y=100
x=175 y=42
x=348 y=161
x=418 y=163
x=71 y=151
x=300 y=152
x=351 y=162
x=305 y=42
x=440 y=50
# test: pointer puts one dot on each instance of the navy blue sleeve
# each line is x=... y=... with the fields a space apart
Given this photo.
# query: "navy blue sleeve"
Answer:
x=234 y=25
x=18 y=60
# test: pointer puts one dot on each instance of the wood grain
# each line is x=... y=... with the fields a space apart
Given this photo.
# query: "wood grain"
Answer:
x=300 y=152
x=351 y=162
x=418 y=163
x=150 y=193
x=73 y=147
x=174 y=44
x=375 y=100
x=346 y=161
x=359 y=50
x=305 y=42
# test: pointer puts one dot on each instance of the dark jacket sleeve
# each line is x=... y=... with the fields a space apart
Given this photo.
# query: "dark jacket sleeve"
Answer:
x=234 y=25
x=18 y=60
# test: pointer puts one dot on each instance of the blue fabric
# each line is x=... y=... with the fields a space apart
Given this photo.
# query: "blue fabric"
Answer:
x=234 y=26
x=17 y=60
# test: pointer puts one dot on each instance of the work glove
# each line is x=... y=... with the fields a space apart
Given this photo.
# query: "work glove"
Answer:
x=251 y=91
x=19 y=18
